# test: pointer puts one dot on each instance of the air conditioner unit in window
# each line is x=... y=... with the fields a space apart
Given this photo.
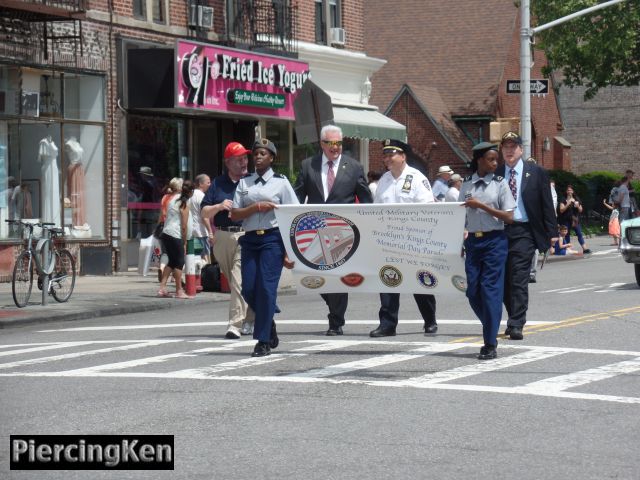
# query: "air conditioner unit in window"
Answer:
x=338 y=36
x=201 y=16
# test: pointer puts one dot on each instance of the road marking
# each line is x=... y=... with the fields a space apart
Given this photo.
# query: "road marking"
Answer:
x=576 y=379
x=605 y=252
x=279 y=322
x=555 y=387
x=483 y=367
x=67 y=356
x=377 y=361
x=140 y=362
x=44 y=347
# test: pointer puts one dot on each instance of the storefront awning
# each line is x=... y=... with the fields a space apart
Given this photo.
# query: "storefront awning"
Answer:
x=360 y=123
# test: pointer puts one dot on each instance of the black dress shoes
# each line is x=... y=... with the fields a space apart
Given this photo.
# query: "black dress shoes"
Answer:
x=275 y=341
x=431 y=328
x=488 y=352
x=515 y=333
x=261 y=350
x=332 y=332
x=381 y=332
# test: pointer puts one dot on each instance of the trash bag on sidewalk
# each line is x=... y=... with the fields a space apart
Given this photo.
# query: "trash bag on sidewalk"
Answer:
x=148 y=254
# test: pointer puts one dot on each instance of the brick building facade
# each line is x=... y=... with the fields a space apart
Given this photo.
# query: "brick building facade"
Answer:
x=131 y=138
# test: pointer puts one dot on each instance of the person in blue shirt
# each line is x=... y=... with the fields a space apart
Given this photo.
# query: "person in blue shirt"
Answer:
x=262 y=250
x=217 y=204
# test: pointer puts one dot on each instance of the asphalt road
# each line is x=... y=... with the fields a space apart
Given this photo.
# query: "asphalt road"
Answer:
x=562 y=403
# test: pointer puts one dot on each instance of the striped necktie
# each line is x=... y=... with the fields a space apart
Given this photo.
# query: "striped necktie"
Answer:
x=513 y=186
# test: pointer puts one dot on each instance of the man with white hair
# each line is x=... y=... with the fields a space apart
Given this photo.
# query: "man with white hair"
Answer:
x=331 y=177
x=441 y=185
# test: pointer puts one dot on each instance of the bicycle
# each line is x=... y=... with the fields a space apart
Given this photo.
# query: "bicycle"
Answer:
x=46 y=260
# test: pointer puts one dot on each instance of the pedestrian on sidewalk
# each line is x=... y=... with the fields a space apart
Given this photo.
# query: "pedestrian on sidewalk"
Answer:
x=614 y=221
x=569 y=209
x=202 y=231
x=175 y=234
x=216 y=205
x=402 y=184
x=534 y=224
x=263 y=254
x=490 y=206
x=327 y=178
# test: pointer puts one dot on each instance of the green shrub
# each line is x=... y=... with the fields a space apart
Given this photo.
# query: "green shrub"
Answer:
x=563 y=179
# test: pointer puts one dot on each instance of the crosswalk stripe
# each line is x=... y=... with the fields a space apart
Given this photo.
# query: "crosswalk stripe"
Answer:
x=44 y=347
x=576 y=379
x=213 y=370
x=139 y=362
x=67 y=356
x=482 y=367
x=376 y=361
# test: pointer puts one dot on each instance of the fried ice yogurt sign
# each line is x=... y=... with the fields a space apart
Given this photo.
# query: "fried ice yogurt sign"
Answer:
x=228 y=80
x=403 y=248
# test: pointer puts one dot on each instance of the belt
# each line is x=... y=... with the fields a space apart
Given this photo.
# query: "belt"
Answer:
x=490 y=233
x=262 y=232
x=231 y=228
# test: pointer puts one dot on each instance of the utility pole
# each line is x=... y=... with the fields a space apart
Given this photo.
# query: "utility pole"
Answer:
x=526 y=40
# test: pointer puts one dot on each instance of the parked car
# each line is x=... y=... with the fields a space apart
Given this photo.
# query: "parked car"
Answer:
x=630 y=243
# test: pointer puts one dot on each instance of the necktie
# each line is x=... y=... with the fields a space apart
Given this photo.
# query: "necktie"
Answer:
x=513 y=186
x=259 y=180
x=331 y=177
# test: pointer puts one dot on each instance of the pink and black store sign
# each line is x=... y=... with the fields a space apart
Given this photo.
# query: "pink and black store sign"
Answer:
x=218 y=79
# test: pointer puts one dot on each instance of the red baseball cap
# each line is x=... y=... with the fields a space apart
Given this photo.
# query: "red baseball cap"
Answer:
x=235 y=149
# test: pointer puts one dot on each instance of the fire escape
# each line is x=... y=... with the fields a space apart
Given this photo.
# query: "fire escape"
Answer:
x=42 y=31
x=267 y=26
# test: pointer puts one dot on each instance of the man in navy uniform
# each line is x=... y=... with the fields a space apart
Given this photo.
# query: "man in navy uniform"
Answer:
x=534 y=224
x=326 y=178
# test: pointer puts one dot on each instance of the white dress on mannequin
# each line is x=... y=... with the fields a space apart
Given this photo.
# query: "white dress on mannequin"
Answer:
x=75 y=180
x=49 y=181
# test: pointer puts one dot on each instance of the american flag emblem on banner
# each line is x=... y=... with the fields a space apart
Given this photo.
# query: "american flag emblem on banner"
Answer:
x=323 y=239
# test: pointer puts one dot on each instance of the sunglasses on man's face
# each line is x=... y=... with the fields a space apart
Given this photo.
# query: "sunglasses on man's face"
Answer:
x=333 y=143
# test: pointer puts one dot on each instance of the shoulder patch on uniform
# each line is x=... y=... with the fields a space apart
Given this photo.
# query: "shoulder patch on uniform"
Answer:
x=279 y=175
x=425 y=182
x=498 y=178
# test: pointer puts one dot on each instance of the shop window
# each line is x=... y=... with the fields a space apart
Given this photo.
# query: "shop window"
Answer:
x=84 y=186
x=83 y=97
x=155 y=149
x=46 y=176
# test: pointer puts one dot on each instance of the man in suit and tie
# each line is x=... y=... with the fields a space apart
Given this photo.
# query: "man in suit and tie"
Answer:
x=327 y=178
x=534 y=224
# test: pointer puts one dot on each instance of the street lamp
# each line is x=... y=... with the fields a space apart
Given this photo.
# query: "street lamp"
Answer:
x=526 y=35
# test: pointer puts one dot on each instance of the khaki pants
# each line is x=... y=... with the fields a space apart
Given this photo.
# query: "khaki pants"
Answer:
x=227 y=252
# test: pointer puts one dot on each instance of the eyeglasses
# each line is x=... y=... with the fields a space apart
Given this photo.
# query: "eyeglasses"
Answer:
x=333 y=143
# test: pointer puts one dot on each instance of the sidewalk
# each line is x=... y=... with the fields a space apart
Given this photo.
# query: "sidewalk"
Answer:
x=95 y=296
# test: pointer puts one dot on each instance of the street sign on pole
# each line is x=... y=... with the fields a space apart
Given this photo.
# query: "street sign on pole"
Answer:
x=540 y=86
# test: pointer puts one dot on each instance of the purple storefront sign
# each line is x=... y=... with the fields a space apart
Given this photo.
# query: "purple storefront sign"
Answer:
x=221 y=79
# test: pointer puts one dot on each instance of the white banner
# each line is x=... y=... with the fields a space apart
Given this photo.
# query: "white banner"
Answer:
x=401 y=248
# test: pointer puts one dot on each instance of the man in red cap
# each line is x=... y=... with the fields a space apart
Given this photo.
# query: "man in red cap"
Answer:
x=217 y=204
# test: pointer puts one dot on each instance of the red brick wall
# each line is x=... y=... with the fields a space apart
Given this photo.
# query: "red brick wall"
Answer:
x=421 y=134
x=352 y=14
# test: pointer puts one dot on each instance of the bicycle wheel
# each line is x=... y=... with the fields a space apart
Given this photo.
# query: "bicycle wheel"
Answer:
x=22 y=280
x=63 y=277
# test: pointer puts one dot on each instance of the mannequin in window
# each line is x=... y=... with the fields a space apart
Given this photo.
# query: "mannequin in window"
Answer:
x=49 y=178
x=75 y=180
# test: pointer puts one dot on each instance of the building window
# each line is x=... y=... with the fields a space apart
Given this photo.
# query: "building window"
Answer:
x=334 y=19
x=140 y=9
x=152 y=9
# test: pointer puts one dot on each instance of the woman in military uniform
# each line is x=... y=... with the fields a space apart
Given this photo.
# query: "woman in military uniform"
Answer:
x=262 y=250
x=490 y=205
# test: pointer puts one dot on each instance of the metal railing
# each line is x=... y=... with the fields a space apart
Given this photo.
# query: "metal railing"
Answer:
x=263 y=25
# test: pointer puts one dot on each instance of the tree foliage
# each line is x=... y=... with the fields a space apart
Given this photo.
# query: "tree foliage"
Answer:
x=596 y=50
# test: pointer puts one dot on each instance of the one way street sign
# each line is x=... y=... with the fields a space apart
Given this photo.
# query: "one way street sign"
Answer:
x=537 y=86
